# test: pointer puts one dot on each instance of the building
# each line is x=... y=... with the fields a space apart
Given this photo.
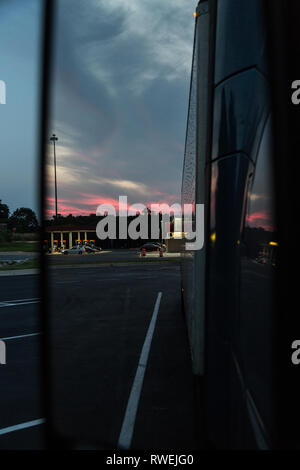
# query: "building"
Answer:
x=68 y=235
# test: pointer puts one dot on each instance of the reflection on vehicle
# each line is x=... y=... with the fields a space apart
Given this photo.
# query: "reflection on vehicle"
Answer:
x=228 y=288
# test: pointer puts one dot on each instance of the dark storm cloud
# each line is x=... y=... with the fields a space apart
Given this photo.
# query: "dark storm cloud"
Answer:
x=80 y=99
x=120 y=91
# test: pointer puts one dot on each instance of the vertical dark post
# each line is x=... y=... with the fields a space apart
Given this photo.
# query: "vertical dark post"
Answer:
x=53 y=139
x=46 y=340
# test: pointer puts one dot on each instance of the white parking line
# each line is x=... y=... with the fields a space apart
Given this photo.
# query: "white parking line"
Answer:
x=14 y=303
x=21 y=300
x=127 y=429
x=19 y=427
x=20 y=336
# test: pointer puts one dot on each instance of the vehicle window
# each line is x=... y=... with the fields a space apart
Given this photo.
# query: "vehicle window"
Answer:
x=240 y=112
x=258 y=270
x=21 y=395
x=236 y=22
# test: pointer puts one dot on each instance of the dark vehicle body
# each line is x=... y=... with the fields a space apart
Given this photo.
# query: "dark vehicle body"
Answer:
x=91 y=249
x=238 y=162
x=150 y=247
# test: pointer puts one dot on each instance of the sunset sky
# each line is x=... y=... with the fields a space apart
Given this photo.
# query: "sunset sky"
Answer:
x=120 y=89
x=119 y=102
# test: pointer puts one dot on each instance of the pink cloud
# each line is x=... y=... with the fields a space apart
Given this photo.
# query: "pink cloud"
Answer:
x=87 y=204
x=261 y=219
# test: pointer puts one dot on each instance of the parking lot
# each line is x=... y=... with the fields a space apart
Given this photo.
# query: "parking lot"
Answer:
x=20 y=402
x=109 y=388
x=109 y=256
x=100 y=319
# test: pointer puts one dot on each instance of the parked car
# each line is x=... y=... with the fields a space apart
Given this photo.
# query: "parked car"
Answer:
x=91 y=249
x=161 y=245
x=75 y=250
x=150 y=247
x=95 y=248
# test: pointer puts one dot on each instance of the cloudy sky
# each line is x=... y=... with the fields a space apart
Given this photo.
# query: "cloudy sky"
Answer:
x=120 y=84
x=119 y=89
x=20 y=23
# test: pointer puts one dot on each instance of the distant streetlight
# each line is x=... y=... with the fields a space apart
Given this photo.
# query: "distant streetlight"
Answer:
x=54 y=139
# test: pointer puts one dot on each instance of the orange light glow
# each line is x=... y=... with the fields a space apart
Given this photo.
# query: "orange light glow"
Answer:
x=273 y=243
x=195 y=14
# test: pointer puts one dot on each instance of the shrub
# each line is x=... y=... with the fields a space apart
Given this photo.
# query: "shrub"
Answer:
x=5 y=237
x=25 y=237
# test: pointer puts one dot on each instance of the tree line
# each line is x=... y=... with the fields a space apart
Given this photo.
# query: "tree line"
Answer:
x=22 y=220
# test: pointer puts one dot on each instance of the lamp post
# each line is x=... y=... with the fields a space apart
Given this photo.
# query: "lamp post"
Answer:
x=54 y=139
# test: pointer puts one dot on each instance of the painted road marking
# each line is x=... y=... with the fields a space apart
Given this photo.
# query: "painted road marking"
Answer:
x=15 y=303
x=19 y=427
x=127 y=429
x=20 y=336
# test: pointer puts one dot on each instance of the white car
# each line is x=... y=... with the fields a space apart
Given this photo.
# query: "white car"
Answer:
x=75 y=250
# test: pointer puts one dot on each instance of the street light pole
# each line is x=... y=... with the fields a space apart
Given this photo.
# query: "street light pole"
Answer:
x=54 y=139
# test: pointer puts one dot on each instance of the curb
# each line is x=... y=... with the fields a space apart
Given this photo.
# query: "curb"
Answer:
x=19 y=272
x=25 y=253
x=107 y=264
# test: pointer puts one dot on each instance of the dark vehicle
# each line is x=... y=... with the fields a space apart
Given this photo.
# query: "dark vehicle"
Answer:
x=160 y=245
x=150 y=247
x=91 y=249
x=240 y=140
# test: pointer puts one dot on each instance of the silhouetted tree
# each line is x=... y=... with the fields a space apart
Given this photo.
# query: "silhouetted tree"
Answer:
x=24 y=220
x=4 y=211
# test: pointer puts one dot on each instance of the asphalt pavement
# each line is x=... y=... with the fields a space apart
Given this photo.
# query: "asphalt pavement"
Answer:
x=20 y=400
x=109 y=256
x=17 y=256
x=120 y=365
x=101 y=319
